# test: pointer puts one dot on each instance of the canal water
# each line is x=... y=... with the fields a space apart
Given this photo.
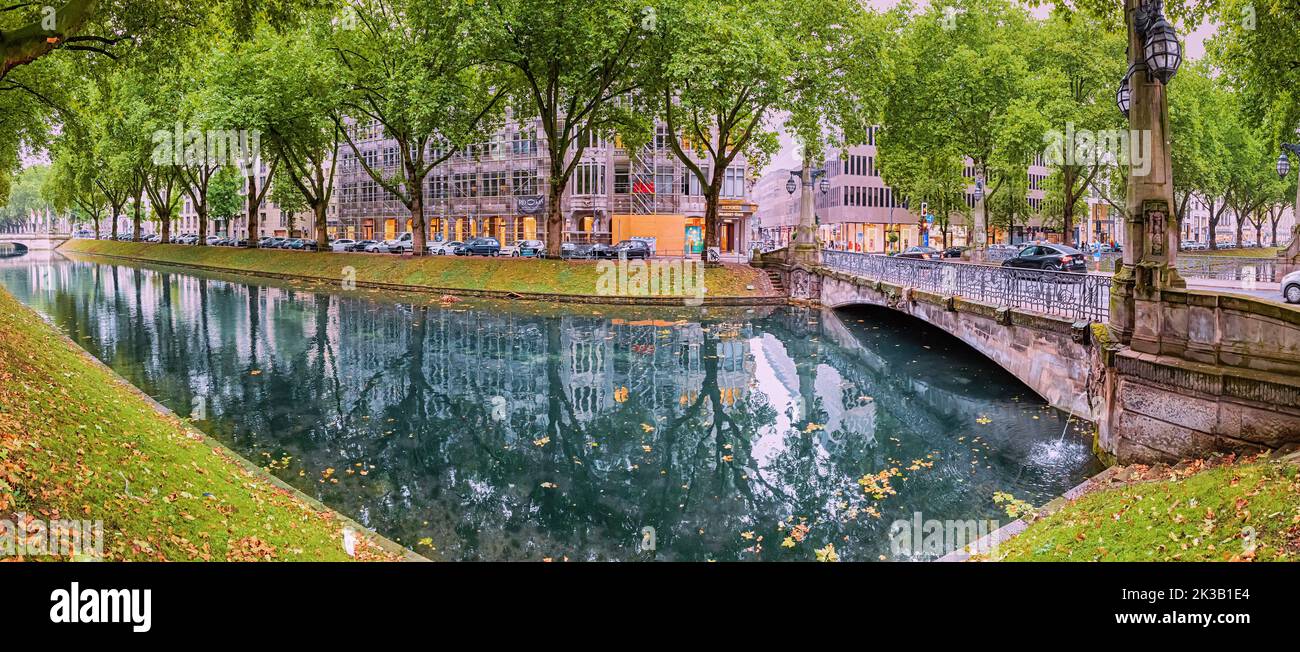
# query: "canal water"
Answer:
x=528 y=431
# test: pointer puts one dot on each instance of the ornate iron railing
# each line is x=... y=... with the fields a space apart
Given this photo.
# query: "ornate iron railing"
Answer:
x=1082 y=297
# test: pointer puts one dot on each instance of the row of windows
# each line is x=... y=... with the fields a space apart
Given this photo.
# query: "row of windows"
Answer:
x=866 y=196
x=587 y=179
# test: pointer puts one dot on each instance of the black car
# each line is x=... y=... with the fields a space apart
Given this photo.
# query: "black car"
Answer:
x=479 y=247
x=1050 y=257
x=954 y=252
x=360 y=245
x=627 y=249
x=922 y=253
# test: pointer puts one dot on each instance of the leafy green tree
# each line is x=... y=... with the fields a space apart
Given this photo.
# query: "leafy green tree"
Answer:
x=959 y=84
x=26 y=207
x=305 y=98
x=426 y=84
x=224 y=202
x=70 y=186
x=285 y=195
x=576 y=68
x=721 y=74
x=1075 y=63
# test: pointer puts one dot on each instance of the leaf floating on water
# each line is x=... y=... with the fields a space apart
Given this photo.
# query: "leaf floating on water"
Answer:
x=549 y=485
x=542 y=441
x=827 y=553
x=255 y=372
x=983 y=420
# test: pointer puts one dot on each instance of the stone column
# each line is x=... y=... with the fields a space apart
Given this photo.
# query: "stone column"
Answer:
x=1151 y=232
x=805 y=250
x=979 y=239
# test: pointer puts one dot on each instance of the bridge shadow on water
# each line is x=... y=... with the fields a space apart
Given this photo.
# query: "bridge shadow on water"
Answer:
x=954 y=389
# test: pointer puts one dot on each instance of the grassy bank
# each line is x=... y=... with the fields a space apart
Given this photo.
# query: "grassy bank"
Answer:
x=1196 y=511
x=77 y=442
x=444 y=273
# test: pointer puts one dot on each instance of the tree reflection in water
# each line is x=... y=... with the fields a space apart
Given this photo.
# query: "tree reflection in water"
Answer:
x=494 y=431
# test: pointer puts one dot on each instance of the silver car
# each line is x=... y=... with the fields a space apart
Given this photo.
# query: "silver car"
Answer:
x=1291 y=287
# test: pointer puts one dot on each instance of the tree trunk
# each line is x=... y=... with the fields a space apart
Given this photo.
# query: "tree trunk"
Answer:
x=166 y=223
x=419 y=230
x=322 y=238
x=712 y=195
x=95 y=217
x=135 y=223
x=202 y=210
x=252 y=211
x=554 y=218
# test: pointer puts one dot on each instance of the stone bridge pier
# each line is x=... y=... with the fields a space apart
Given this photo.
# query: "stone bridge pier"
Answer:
x=1225 y=376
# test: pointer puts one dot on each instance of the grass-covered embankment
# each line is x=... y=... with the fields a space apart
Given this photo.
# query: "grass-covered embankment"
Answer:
x=550 y=278
x=78 y=442
x=1222 y=510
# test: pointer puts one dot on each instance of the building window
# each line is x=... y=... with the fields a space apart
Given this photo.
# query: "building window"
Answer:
x=622 y=180
x=493 y=184
x=733 y=182
x=463 y=185
x=589 y=179
x=524 y=182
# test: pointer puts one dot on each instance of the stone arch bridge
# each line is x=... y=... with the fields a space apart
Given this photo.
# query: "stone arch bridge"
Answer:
x=1225 y=375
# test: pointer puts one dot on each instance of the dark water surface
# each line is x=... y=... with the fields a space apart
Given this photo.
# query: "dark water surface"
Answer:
x=501 y=431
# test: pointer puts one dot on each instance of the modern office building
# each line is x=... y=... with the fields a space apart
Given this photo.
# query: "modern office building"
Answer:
x=499 y=188
x=860 y=212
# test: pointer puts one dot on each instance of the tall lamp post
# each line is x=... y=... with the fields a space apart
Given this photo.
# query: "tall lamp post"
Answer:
x=804 y=250
x=1290 y=257
x=1151 y=233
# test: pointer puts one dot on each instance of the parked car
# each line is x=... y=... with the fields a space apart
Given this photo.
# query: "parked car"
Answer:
x=401 y=242
x=376 y=247
x=402 y=246
x=479 y=247
x=1050 y=257
x=954 y=252
x=153 y=238
x=595 y=250
x=84 y=234
x=524 y=249
x=628 y=249
x=1291 y=287
x=444 y=248
x=275 y=242
x=922 y=253
x=342 y=244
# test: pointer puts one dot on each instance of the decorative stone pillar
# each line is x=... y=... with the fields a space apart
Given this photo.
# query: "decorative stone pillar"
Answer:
x=1151 y=231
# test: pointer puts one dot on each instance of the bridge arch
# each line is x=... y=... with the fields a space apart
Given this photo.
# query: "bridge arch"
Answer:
x=1053 y=356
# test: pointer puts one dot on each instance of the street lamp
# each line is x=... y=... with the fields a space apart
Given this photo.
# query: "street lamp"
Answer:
x=1124 y=96
x=1283 y=165
x=790 y=185
x=1161 y=51
x=825 y=185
